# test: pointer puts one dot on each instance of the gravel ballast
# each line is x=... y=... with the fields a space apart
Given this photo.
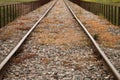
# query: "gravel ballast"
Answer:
x=57 y=50
x=11 y=34
x=108 y=35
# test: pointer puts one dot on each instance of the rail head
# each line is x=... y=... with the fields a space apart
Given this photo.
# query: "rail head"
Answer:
x=111 y=66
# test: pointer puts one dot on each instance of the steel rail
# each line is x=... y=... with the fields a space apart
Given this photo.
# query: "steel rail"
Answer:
x=111 y=66
x=24 y=38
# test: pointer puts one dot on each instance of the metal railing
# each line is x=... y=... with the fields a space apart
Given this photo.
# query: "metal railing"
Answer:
x=110 y=12
x=11 y=11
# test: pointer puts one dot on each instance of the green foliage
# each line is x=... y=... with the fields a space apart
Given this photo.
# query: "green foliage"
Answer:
x=103 y=1
x=13 y=1
x=16 y=0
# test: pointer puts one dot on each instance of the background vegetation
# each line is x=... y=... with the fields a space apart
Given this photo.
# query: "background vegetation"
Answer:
x=13 y=1
x=104 y=1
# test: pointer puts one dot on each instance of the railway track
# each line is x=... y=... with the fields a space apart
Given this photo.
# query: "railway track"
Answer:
x=76 y=57
x=23 y=39
x=114 y=70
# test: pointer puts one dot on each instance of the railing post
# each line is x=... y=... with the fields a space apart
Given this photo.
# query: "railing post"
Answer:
x=100 y=9
x=108 y=12
x=96 y=8
x=105 y=11
x=12 y=12
x=119 y=16
x=3 y=15
x=7 y=13
x=15 y=11
x=0 y=17
x=91 y=7
x=31 y=6
x=22 y=9
x=111 y=14
x=18 y=7
x=114 y=13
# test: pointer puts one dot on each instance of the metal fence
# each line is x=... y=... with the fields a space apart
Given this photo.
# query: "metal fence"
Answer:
x=110 y=12
x=10 y=12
